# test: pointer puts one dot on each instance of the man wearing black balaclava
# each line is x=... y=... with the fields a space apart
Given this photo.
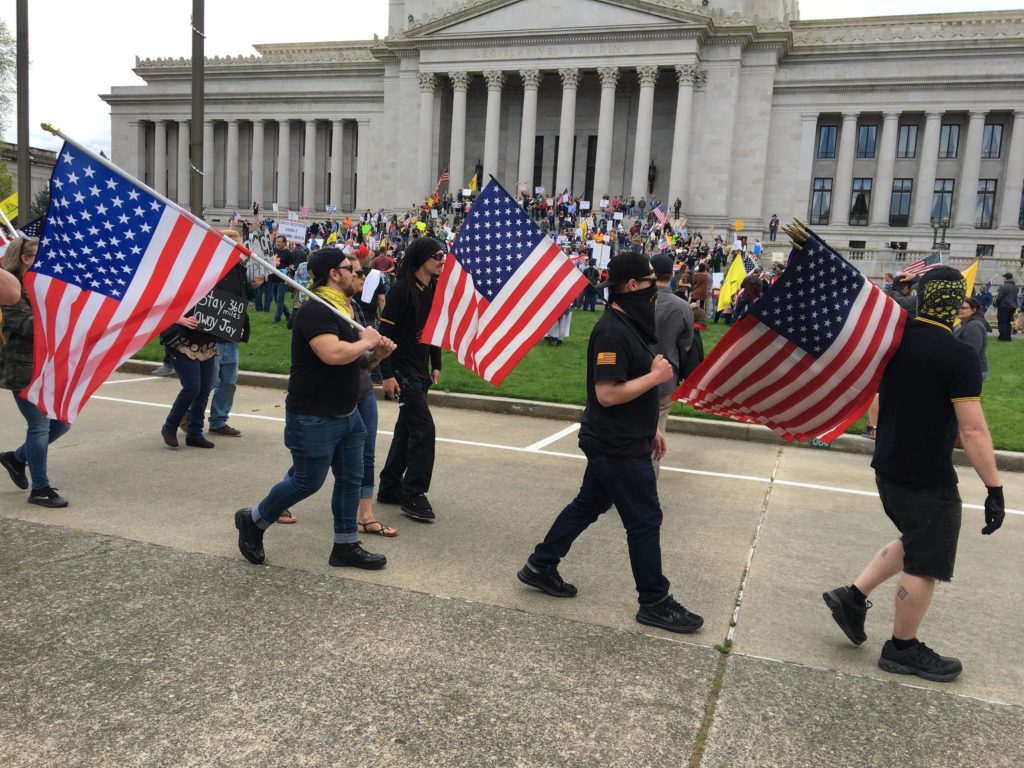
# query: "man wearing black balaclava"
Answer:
x=408 y=374
x=619 y=435
x=931 y=385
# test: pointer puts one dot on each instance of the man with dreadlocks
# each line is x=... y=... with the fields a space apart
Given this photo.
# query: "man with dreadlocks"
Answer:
x=932 y=384
x=408 y=375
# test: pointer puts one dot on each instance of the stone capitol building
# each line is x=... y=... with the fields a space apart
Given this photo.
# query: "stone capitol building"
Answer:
x=872 y=130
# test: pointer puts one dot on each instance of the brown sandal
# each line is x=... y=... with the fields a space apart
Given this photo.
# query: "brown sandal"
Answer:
x=287 y=518
x=383 y=530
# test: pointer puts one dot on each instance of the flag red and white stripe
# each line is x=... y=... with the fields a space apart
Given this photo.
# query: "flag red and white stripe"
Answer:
x=659 y=214
x=919 y=267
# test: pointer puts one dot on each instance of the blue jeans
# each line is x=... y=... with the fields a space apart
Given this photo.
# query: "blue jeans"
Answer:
x=629 y=484
x=264 y=297
x=280 y=291
x=225 y=374
x=42 y=431
x=367 y=408
x=319 y=443
x=196 y=378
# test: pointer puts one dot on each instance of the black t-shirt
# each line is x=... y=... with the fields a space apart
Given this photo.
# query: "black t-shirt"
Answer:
x=314 y=387
x=916 y=421
x=402 y=321
x=617 y=352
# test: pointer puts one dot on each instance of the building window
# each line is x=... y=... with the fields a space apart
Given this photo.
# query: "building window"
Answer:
x=821 y=201
x=984 y=251
x=986 y=204
x=861 y=202
x=949 y=141
x=866 y=140
x=906 y=146
x=992 y=140
x=899 y=207
x=942 y=199
x=827 y=141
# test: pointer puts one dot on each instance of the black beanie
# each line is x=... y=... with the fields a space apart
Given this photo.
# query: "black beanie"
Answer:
x=421 y=249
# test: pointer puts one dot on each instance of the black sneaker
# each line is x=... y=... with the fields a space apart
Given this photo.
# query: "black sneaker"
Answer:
x=848 y=613
x=250 y=537
x=385 y=499
x=670 y=615
x=354 y=556
x=47 y=497
x=919 y=660
x=15 y=468
x=418 y=508
x=551 y=582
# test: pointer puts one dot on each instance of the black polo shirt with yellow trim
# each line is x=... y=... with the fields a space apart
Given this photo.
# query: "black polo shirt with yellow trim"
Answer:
x=917 y=424
x=314 y=387
x=617 y=352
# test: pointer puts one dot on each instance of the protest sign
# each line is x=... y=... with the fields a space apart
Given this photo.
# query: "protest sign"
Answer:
x=617 y=216
x=304 y=212
x=584 y=205
x=293 y=231
x=221 y=314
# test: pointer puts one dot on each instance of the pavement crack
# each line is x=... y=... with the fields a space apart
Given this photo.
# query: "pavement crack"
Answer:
x=725 y=647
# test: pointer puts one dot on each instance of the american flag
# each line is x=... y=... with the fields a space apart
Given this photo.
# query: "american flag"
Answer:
x=504 y=285
x=659 y=214
x=34 y=228
x=806 y=360
x=749 y=263
x=116 y=265
x=921 y=266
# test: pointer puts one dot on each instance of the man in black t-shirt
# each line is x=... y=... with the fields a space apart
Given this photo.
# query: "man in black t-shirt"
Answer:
x=931 y=386
x=619 y=435
x=323 y=429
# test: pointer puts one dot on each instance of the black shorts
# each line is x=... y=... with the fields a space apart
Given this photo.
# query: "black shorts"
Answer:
x=929 y=521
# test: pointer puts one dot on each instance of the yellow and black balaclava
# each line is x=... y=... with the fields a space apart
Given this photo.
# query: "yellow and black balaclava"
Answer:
x=940 y=294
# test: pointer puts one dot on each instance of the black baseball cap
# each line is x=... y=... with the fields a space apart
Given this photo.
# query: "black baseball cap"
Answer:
x=663 y=265
x=322 y=261
x=631 y=265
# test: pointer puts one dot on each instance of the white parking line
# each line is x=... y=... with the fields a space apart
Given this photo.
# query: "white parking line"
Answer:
x=553 y=438
x=579 y=457
x=129 y=381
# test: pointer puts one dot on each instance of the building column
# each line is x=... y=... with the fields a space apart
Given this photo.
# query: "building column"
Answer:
x=566 y=130
x=495 y=80
x=605 y=131
x=457 y=159
x=231 y=167
x=424 y=182
x=284 y=135
x=843 y=185
x=528 y=133
x=644 y=123
x=207 y=163
x=160 y=157
x=881 y=190
x=257 y=162
x=1013 y=179
x=926 y=170
x=183 y=165
x=687 y=75
x=362 y=167
x=309 y=165
x=337 y=126
x=968 y=194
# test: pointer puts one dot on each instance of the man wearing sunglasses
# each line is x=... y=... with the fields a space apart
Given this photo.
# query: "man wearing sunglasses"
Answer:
x=408 y=374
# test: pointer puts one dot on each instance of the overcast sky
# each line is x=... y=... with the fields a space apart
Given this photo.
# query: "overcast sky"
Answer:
x=80 y=49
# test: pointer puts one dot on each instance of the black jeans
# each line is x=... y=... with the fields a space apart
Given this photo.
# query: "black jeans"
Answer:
x=410 y=463
x=1004 y=318
x=629 y=484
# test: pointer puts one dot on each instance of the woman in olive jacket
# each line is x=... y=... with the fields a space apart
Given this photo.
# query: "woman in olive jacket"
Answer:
x=15 y=374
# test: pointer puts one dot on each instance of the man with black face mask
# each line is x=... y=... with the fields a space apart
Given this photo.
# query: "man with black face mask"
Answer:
x=619 y=435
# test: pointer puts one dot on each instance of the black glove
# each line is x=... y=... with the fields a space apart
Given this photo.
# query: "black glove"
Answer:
x=995 y=510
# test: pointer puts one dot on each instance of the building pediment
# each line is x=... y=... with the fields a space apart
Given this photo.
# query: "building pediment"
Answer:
x=486 y=18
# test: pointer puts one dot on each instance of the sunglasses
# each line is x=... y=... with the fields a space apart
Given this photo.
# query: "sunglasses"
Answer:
x=439 y=256
x=347 y=267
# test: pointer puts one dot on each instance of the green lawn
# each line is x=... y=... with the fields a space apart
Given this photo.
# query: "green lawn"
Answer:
x=557 y=374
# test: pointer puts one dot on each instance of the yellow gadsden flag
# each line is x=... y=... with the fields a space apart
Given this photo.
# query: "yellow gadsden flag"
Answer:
x=474 y=183
x=10 y=207
x=731 y=283
x=971 y=274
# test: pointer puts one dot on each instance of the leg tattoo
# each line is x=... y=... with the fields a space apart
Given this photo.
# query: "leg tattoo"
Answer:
x=902 y=593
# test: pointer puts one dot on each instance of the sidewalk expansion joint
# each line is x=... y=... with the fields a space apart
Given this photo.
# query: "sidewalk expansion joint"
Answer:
x=725 y=647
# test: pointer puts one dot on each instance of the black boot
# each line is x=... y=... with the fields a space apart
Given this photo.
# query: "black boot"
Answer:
x=354 y=556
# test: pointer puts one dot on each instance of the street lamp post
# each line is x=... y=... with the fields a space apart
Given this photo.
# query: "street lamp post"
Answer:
x=938 y=244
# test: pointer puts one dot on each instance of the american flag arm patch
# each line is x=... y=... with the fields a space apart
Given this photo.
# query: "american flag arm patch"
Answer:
x=606 y=358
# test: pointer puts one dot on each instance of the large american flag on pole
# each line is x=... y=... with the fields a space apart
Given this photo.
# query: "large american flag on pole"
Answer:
x=117 y=264
x=659 y=214
x=808 y=357
x=504 y=285
x=919 y=267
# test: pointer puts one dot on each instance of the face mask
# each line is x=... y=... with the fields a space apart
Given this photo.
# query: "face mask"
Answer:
x=639 y=307
x=941 y=295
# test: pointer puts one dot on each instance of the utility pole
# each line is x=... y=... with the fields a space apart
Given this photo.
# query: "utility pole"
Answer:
x=24 y=161
x=198 y=92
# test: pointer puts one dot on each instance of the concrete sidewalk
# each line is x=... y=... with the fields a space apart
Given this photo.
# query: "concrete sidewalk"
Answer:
x=136 y=634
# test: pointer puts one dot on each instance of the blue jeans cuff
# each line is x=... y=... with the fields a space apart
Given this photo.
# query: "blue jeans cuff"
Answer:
x=346 y=538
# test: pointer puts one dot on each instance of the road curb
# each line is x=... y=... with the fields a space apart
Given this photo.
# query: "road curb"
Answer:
x=1008 y=461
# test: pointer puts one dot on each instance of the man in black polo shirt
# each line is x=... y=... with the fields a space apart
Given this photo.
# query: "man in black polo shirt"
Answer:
x=619 y=435
x=408 y=374
x=931 y=385
x=322 y=429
